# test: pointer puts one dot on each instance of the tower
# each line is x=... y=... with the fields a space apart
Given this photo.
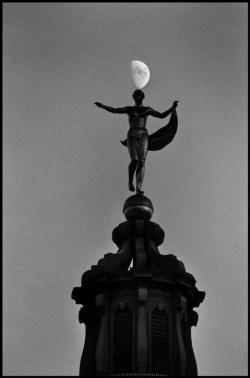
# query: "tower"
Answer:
x=138 y=304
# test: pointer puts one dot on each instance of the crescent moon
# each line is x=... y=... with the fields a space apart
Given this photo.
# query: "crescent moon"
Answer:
x=140 y=73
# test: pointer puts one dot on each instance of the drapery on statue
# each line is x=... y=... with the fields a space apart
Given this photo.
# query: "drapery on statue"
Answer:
x=138 y=141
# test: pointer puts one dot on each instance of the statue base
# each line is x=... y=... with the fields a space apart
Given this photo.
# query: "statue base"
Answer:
x=138 y=206
x=137 y=304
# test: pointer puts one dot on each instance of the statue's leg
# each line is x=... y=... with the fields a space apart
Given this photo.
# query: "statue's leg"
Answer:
x=142 y=150
x=131 y=172
x=133 y=152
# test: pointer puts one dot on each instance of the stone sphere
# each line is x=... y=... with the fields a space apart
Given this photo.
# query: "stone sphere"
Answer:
x=138 y=207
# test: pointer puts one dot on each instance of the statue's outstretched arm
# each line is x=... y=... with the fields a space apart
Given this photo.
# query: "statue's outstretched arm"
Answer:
x=113 y=110
x=156 y=114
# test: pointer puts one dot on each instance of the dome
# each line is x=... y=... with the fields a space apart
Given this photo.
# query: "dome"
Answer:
x=138 y=207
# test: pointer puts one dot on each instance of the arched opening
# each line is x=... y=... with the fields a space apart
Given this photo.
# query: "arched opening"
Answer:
x=159 y=342
x=123 y=340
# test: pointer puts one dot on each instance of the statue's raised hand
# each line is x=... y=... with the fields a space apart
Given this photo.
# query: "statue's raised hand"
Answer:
x=98 y=104
x=175 y=104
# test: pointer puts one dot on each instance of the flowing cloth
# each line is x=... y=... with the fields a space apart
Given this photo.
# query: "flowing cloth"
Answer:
x=163 y=136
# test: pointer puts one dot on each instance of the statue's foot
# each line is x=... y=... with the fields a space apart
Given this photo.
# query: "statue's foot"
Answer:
x=131 y=187
x=138 y=191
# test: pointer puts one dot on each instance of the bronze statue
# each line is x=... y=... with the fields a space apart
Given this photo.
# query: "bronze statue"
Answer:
x=138 y=141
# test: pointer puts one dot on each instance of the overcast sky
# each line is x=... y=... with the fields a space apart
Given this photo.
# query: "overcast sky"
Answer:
x=65 y=171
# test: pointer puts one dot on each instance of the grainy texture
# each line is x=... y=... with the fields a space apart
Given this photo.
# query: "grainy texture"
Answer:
x=64 y=168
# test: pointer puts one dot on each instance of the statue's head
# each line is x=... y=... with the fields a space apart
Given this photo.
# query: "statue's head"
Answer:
x=138 y=96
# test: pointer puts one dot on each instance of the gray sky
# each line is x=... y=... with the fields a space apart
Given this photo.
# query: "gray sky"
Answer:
x=65 y=171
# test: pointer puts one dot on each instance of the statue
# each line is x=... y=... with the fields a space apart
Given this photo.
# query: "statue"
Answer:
x=138 y=141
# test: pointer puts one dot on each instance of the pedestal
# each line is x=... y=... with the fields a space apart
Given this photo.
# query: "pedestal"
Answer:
x=138 y=320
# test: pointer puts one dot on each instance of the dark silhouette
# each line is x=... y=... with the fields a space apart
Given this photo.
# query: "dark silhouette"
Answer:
x=138 y=141
x=138 y=319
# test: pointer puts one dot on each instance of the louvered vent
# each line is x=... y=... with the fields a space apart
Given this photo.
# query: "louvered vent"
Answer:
x=184 y=333
x=123 y=340
x=159 y=342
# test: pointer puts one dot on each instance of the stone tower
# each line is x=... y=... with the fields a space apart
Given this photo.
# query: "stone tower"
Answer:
x=138 y=305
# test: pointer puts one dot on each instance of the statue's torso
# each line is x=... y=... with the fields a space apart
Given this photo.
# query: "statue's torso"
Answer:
x=137 y=120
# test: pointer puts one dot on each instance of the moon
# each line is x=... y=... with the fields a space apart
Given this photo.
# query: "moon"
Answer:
x=140 y=73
